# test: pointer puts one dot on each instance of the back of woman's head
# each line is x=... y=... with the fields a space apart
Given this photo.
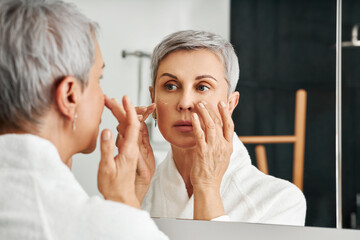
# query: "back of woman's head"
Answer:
x=192 y=40
x=41 y=42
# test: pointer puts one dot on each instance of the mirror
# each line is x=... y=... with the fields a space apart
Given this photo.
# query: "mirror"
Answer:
x=350 y=114
x=282 y=46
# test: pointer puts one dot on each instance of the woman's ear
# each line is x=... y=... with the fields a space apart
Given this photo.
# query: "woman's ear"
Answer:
x=233 y=100
x=151 y=90
x=67 y=95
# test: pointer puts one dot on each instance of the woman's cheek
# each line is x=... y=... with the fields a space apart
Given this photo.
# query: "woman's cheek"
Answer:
x=162 y=103
x=213 y=107
x=162 y=111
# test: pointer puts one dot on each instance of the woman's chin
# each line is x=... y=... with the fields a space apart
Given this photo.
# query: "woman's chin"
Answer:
x=90 y=148
x=188 y=142
x=177 y=139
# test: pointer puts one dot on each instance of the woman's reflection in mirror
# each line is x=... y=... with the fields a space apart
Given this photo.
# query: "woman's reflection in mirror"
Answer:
x=207 y=174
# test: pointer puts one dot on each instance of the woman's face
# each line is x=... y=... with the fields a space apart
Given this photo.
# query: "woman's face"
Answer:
x=91 y=106
x=184 y=78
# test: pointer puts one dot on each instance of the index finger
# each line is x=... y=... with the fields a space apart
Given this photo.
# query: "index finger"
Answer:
x=145 y=111
x=228 y=124
x=150 y=109
x=132 y=122
x=116 y=108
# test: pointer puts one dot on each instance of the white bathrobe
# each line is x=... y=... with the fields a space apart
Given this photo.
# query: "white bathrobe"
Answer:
x=41 y=199
x=248 y=195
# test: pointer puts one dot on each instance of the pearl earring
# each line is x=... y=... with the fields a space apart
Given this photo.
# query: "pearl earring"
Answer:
x=74 y=122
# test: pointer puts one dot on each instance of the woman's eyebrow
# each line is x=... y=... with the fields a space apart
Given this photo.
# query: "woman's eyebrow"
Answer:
x=169 y=75
x=205 y=76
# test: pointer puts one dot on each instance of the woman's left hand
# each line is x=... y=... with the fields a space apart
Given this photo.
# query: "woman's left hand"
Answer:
x=146 y=162
x=214 y=146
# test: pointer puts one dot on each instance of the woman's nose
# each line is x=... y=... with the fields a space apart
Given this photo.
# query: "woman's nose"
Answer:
x=185 y=103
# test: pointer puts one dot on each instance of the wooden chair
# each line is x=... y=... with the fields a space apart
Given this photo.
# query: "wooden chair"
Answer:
x=298 y=139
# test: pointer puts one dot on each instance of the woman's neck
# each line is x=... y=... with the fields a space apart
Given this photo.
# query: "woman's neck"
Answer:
x=54 y=130
x=183 y=159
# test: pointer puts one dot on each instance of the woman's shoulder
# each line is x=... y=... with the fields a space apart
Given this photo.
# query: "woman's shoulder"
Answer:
x=264 y=190
x=113 y=219
x=248 y=179
x=273 y=199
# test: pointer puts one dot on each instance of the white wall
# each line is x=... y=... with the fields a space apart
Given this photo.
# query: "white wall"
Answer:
x=139 y=25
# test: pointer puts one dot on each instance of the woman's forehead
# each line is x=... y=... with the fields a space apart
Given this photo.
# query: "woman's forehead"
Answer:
x=200 y=61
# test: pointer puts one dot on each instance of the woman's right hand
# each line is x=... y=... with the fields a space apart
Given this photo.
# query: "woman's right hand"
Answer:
x=116 y=175
x=146 y=162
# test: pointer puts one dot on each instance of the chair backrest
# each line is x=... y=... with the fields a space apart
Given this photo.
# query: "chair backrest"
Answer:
x=298 y=139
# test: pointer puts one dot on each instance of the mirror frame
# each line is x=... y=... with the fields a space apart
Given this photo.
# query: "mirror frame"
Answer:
x=338 y=114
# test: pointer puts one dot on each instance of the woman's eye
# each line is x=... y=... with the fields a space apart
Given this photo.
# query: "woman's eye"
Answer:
x=203 y=88
x=170 y=86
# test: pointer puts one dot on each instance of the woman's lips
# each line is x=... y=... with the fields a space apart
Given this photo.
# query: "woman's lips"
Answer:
x=183 y=126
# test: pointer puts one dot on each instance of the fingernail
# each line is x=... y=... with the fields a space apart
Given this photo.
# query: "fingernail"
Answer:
x=106 y=136
x=201 y=105
x=222 y=104
x=195 y=116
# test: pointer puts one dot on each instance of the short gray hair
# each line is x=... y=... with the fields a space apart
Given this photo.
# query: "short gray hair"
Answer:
x=192 y=40
x=41 y=42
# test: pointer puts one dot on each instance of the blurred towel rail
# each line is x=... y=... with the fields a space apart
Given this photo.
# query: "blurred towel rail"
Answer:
x=140 y=55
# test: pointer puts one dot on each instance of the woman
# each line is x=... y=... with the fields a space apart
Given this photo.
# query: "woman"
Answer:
x=207 y=174
x=50 y=109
